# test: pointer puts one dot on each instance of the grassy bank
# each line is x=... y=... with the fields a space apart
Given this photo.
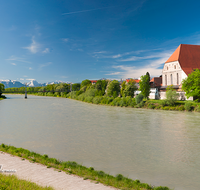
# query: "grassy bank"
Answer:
x=11 y=182
x=118 y=181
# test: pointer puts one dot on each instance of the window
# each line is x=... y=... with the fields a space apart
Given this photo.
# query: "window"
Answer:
x=165 y=80
x=174 y=66
x=177 y=80
x=171 y=79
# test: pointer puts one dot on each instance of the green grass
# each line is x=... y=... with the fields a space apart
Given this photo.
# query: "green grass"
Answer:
x=11 y=182
x=118 y=181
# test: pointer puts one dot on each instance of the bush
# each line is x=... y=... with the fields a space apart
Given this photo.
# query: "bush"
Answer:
x=97 y=99
x=188 y=106
x=107 y=100
x=197 y=109
x=88 y=99
x=139 y=98
x=133 y=102
x=181 y=108
x=163 y=102
x=116 y=101
x=172 y=97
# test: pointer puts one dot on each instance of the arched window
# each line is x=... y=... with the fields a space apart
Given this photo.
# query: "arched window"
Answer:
x=171 y=79
x=165 y=80
x=177 y=80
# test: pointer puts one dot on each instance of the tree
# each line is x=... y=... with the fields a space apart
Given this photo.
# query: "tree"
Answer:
x=2 y=88
x=144 y=86
x=130 y=88
x=76 y=86
x=85 y=82
x=191 y=85
x=113 y=88
x=123 y=86
x=147 y=73
x=171 y=95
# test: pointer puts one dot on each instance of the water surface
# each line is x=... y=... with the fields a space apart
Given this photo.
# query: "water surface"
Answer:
x=157 y=147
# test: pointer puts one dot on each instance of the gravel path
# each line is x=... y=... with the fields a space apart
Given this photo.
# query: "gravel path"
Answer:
x=44 y=176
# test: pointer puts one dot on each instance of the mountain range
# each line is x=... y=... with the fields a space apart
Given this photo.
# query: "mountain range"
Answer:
x=32 y=83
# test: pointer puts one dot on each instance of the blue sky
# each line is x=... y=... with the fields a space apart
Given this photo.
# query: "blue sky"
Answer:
x=63 y=40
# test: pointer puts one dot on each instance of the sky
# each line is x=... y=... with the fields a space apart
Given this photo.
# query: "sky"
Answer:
x=70 y=41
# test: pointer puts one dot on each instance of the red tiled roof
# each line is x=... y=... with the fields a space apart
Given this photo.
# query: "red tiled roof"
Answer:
x=136 y=80
x=93 y=81
x=188 y=57
x=157 y=81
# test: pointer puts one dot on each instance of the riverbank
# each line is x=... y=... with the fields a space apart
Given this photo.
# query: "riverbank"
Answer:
x=191 y=106
x=68 y=170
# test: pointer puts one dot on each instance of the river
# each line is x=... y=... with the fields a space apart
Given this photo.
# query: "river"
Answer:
x=156 y=147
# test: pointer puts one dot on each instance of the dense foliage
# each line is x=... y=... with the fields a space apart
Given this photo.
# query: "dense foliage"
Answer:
x=113 y=88
x=191 y=85
x=145 y=86
x=171 y=95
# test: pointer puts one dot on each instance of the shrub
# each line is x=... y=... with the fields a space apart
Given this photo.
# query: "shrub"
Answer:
x=172 y=97
x=197 y=109
x=119 y=177
x=123 y=102
x=88 y=99
x=163 y=102
x=139 y=98
x=90 y=92
x=97 y=99
x=133 y=102
x=81 y=97
x=107 y=100
x=151 y=106
x=181 y=108
x=116 y=101
x=188 y=106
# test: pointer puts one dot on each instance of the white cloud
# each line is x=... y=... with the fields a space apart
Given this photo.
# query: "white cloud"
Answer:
x=34 y=47
x=30 y=79
x=152 y=65
x=21 y=79
x=115 y=73
x=65 y=39
x=13 y=63
x=30 y=68
x=46 y=50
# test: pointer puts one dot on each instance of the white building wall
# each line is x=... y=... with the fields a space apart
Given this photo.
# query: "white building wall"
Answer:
x=172 y=69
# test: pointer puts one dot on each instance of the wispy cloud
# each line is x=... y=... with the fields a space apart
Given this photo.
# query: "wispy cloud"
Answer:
x=65 y=39
x=34 y=46
x=30 y=68
x=18 y=59
x=44 y=65
x=88 y=10
x=13 y=63
x=21 y=79
x=153 y=64
x=30 y=79
x=115 y=73
x=46 y=50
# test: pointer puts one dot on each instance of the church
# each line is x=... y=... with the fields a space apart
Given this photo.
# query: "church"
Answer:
x=182 y=62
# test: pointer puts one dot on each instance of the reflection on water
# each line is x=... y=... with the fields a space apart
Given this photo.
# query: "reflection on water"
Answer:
x=157 y=147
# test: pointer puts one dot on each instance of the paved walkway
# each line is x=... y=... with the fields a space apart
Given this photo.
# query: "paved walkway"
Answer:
x=44 y=176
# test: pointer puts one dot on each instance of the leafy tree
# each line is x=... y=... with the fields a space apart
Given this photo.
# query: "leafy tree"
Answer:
x=130 y=88
x=76 y=86
x=113 y=88
x=148 y=75
x=123 y=86
x=101 y=86
x=191 y=85
x=2 y=88
x=144 y=86
x=171 y=95
x=85 y=82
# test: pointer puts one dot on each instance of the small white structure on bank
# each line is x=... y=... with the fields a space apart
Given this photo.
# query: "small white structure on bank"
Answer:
x=182 y=62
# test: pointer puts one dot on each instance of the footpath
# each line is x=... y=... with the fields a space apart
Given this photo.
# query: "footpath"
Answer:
x=44 y=176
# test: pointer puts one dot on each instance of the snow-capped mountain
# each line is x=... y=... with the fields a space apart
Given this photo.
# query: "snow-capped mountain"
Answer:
x=32 y=83
x=11 y=83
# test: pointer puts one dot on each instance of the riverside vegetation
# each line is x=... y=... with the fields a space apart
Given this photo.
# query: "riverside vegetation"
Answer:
x=10 y=182
x=119 y=181
x=106 y=92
